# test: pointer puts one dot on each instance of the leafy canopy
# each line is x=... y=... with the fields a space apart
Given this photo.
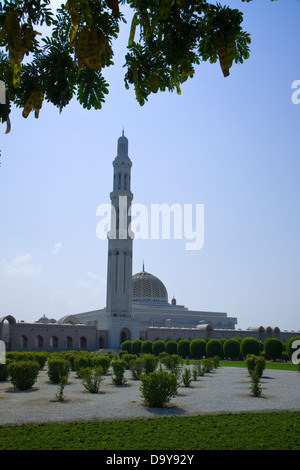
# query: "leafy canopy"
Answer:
x=167 y=39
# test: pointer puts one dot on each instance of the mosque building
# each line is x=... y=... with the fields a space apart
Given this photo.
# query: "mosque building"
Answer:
x=137 y=306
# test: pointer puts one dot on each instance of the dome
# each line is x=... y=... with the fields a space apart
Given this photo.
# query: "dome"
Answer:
x=146 y=287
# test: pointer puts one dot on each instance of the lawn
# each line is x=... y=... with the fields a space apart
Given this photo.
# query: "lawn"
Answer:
x=269 y=365
x=242 y=431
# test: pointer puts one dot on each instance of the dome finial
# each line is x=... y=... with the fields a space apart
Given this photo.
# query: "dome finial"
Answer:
x=143 y=267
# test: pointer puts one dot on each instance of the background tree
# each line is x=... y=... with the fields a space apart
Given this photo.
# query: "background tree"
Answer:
x=158 y=346
x=197 y=348
x=171 y=346
x=146 y=347
x=136 y=347
x=168 y=38
x=231 y=349
x=250 y=346
x=183 y=348
x=273 y=348
x=213 y=348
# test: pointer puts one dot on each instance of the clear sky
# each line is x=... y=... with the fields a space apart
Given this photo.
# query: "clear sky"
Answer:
x=231 y=144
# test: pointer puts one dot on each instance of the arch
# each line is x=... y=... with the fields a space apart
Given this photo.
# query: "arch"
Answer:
x=125 y=335
x=54 y=342
x=11 y=320
x=100 y=342
x=276 y=332
x=24 y=341
x=6 y=333
x=269 y=332
x=82 y=342
x=68 y=342
x=39 y=341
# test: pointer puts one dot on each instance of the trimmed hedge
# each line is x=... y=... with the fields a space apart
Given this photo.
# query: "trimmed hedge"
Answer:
x=23 y=374
x=250 y=346
x=146 y=347
x=183 y=348
x=158 y=347
x=213 y=348
x=232 y=349
x=197 y=348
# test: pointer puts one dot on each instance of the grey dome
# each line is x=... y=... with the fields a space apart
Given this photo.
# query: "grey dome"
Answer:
x=148 y=288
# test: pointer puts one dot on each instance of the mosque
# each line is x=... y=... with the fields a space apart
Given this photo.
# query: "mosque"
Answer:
x=137 y=306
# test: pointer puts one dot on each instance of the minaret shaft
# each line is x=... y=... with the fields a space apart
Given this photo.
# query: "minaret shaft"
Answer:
x=119 y=272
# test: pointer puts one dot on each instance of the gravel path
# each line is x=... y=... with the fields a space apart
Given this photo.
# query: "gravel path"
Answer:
x=227 y=389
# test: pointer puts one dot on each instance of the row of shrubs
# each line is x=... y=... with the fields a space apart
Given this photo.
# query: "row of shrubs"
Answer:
x=234 y=348
x=23 y=369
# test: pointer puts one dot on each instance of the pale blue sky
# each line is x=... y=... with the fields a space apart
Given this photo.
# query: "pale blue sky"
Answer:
x=231 y=144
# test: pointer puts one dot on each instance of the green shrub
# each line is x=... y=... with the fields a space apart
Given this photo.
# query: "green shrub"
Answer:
x=170 y=361
x=146 y=347
x=255 y=384
x=213 y=348
x=136 y=347
x=4 y=371
x=59 y=396
x=207 y=364
x=158 y=388
x=183 y=348
x=255 y=364
x=103 y=362
x=171 y=346
x=82 y=361
x=273 y=348
x=231 y=349
x=187 y=377
x=127 y=358
x=92 y=378
x=216 y=360
x=250 y=346
x=149 y=362
x=118 y=366
x=136 y=367
x=70 y=356
x=58 y=368
x=41 y=357
x=126 y=346
x=197 y=348
x=158 y=347
x=199 y=367
x=23 y=374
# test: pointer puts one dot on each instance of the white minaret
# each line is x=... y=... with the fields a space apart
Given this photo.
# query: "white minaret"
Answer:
x=118 y=322
x=119 y=266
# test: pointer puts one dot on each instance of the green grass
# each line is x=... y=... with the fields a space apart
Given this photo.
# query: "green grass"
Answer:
x=242 y=431
x=269 y=365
